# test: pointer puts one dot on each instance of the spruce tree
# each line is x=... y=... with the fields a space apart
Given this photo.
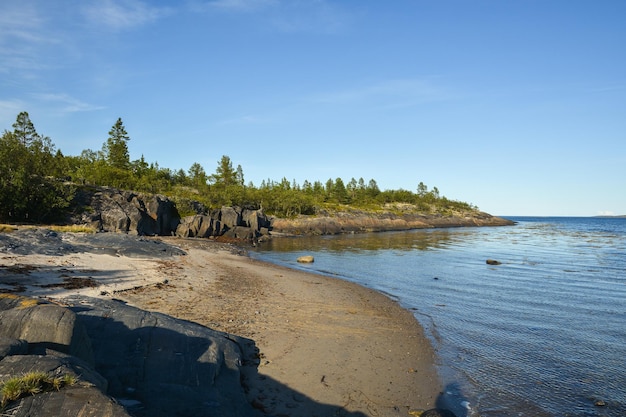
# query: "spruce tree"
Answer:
x=116 y=147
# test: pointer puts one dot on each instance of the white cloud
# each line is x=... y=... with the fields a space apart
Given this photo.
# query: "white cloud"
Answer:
x=9 y=109
x=65 y=103
x=388 y=93
x=244 y=120
x=21 y=22
x=123 y=14
x=312 y=16
x=290 y=16
x=240 y=5
x=23 y=32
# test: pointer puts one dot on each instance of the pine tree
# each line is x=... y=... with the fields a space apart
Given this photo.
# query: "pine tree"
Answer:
x=225 y=174
x=24 y=130
x=116 y=147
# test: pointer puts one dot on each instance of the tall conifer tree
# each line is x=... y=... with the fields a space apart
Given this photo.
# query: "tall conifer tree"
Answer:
x=116 y=147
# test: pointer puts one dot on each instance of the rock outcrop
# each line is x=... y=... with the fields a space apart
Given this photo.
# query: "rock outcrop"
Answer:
x=356 y=221
x=113 y=210
x=232 y=222
x=43 y=326
x=109 y=209
x=126 y=361
x=84 y=398
x=47 y=242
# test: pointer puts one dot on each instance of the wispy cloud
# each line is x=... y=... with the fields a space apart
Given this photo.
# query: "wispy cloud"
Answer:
x=313 y=16
x=9 y=109
x=123 y=14
x=244 y=120
x=65 y=103
x=240 y=5
x=290 y=16
x=20 y=22
x=608 y=88
x=23 y=32
x=388 y=93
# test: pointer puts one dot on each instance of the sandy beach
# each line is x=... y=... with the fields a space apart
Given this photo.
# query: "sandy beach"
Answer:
x=326 y=347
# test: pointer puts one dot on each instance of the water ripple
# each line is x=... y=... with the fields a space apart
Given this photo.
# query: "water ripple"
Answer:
x=542 y=334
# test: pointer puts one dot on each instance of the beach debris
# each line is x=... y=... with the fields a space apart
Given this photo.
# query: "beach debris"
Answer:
x=307 y=259
x=493 y=262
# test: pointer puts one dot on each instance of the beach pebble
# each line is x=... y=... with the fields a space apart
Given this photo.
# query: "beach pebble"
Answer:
x=307 y=259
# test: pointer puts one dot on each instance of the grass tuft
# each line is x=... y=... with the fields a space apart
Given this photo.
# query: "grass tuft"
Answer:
x=32 y=383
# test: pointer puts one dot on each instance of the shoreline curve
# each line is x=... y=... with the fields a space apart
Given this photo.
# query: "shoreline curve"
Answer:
x=324 y=344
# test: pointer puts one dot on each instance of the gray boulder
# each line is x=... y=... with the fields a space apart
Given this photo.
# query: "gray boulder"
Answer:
x=10 y=346
x=68 y=402
x=240 y=232
x=152 y=364
x=197 y=226
x=124 y=211
x=163 y=365
x=256 y=220
x=230 y=216
x=43 y=326
x=230 y=222
x=85 y=397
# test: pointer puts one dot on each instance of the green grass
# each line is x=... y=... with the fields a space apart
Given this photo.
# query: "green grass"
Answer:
x=32 y=383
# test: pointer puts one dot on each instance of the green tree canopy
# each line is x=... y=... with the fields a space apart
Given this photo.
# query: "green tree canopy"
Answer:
x=116 y=147
x=225 y=174
x=36 y=181
x=198 y=176
x=24 y=130
x=28 y=193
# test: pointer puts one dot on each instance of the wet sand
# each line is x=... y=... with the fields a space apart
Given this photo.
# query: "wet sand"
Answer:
x=326 y=346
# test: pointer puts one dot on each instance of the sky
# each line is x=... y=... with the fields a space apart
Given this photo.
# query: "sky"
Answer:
x=515 y=106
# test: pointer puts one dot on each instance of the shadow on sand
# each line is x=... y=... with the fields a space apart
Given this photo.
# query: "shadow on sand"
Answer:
x=160 y=366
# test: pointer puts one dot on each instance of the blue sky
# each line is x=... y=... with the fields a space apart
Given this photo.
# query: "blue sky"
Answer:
x=518 y=107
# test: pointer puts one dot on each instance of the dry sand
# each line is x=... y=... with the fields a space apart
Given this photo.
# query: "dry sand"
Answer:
x=327 y=347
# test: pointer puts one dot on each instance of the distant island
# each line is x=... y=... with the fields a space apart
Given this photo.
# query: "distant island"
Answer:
x=621 y=216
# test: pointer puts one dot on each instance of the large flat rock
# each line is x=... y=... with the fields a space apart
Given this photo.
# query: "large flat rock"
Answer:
x=163 y=366
x=127 y=361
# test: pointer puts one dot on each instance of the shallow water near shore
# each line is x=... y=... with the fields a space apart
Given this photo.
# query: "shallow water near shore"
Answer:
x=541 y=334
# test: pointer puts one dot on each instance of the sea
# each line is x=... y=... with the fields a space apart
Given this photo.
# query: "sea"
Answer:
x=543 y=333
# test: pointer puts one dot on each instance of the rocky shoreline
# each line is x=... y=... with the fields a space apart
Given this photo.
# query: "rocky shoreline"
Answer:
x=113 y=210
x=187 y=327
x=126 y=361
x=356 y=221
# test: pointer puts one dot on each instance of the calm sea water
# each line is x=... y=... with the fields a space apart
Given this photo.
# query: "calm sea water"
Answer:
x=542 y=334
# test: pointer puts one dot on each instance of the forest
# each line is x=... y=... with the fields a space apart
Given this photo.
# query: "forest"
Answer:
x=38 y=182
